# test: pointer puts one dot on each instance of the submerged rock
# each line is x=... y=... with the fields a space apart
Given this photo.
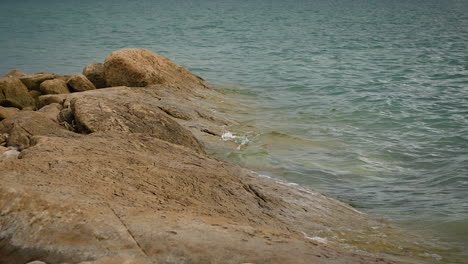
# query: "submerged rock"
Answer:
x=13 y=93
x=141 y=67
x=95 y=73
x=55 y=86
x=33 y=81
x=79 y=83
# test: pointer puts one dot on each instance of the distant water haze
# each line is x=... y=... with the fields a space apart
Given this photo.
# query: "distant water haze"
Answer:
x=364 y=100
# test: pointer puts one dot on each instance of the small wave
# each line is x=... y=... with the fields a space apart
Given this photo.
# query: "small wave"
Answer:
x=241 y=140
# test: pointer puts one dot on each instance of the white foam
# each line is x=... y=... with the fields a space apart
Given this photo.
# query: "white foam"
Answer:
x=241 y=140
x=316 y=238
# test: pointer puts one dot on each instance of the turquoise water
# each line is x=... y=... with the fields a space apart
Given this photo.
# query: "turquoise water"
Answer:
x=364 y=100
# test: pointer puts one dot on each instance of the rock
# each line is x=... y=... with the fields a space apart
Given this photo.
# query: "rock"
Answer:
x=79 y=83
x=3 y=139
x=36 y=262
x=33 y=81
x=93 y=114
x=13 y=93
x=10 y=153
x=55 y=86
x=52 y=111
x=95 y=73
x=141 y=67
x=15 y=73
x=6 y=112
x=50 y=99
x=23 y=126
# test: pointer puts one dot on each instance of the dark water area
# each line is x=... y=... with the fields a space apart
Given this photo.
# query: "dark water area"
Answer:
x=366 y=101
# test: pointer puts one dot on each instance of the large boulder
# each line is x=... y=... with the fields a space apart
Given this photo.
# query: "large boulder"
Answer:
x=6 y=112
x=15 y=73
x=95 y=73
x=141 y=67
x=13 y=93
x=33 y=81
x=55 y=86
x=94 y=114
x=79 y=83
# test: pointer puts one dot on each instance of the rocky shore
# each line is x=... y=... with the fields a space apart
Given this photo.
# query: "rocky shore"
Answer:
x=121 y=174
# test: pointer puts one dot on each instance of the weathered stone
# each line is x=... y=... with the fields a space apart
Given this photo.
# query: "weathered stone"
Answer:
x=141 y=67
x=79 y=83
x=52 y=111
x=6 y=112
x=50 y=99
x=13 y=93
x=15 y=73
x=23 y=126
x=115 y=260
x=93 y=114
x=33 y=81
x=55 y=86
x=95 y=73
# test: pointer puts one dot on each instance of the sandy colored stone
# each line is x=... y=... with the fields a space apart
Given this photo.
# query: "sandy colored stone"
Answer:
x=95 y=73
x=141 y=67
x=23 y=126
x=55 y=86
x=79 y=83
x=115 y=260
x=6 y=112
x=33 y=81
x=104 y=114
x=13 y=93
x=15 y=73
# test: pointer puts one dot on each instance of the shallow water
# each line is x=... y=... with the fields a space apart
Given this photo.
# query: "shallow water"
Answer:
x=364 y=100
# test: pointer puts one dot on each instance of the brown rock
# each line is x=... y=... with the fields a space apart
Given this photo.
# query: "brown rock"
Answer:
x=33 y=81
x=52 y=111
x=50 y=99
x=23 y=126
x=15 y=73
x=55 y=86
x=79 y=83
x=93 y=114
x=95 y=73
x=6 y=112
x=115 y=260
x=13 y=93
x=141 y=67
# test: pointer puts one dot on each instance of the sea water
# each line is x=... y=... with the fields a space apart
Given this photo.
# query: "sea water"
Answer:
x=364 y=100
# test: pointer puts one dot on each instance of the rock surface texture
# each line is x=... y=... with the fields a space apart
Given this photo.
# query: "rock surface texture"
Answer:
x=117 y=175
x=79 y=83
x=55 y=86
x=95 y=73
x=13 y=93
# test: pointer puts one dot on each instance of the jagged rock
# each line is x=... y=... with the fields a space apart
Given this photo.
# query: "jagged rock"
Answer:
x=13 y=93
x=79 y=83
x=15 y=73
x=141 y=67
x=33 y=81
x=6 y=112
x=23 y=126
x=93 y=114
x=55 y=86
x=95 y=73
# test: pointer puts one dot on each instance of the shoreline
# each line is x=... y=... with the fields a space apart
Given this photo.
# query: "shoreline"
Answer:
x=107 y=172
